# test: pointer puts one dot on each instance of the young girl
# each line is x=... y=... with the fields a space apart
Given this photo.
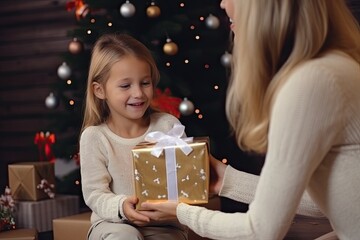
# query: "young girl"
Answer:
x=121 y=82
x=294 y=96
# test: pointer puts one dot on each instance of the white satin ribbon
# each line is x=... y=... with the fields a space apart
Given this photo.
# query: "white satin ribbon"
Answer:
x=168 y=142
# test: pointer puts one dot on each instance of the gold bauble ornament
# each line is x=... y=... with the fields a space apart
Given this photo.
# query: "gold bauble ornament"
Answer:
x=153 y=11
x=170 y=48
x=75 y=46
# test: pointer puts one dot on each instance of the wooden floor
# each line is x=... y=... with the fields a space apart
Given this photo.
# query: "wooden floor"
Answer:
x=305 y=228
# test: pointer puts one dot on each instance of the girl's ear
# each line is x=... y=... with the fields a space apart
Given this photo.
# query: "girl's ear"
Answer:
x=98 y=90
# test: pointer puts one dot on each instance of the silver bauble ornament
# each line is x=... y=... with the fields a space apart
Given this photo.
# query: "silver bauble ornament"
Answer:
x=212 y=22
x=51 y=101
x=186 y=107
x=127 y=9
x=64 y=71
x=226 y=59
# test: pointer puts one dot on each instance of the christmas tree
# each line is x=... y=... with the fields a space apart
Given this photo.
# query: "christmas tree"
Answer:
x=190 y=43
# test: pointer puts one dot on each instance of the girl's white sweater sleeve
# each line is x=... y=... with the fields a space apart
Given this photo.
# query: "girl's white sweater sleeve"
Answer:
x=96 y=178
x=305 y=122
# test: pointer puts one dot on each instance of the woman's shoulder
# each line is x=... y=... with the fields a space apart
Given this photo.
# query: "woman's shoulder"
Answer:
x=333 y=70
x=333 y=79
x=334 y=65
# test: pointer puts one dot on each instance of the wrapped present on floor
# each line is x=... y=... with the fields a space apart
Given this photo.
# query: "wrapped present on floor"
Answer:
x=40 y=214
x=66 y=228
x=20 y=234
x=32 y=180
x=173 y=168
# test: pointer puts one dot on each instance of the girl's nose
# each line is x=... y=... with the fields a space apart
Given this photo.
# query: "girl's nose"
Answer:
x=137 y=91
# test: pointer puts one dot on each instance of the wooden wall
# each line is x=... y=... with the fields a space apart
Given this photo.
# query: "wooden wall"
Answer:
x=33 y=34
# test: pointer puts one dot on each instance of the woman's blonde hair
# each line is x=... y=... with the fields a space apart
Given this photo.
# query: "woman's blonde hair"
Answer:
x=109 y=49
x=272 y=37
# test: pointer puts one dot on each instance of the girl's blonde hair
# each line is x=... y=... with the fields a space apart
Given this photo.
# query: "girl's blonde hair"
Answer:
x=272 y=38
x=109 y=49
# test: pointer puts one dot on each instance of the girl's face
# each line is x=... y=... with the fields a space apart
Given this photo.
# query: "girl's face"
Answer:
x=228 y=6
x=129 y=89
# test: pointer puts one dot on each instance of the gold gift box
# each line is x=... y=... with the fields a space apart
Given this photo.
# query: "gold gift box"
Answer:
x=25 y=177
x=192 y=173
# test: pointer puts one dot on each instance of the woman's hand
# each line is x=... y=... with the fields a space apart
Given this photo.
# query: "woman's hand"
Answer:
x=133 y=215
x=163 y=211
x=217 y=171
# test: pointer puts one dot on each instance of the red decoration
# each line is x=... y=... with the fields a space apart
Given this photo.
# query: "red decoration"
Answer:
x=81 y=8
x=163 y=101
x=44 y=142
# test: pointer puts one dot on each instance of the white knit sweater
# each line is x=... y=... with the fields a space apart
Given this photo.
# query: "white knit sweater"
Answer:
x=107 y=167
x=314 y=145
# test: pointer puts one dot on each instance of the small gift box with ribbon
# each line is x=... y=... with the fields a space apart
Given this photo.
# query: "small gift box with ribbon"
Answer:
x=32 y=181
x=170 y=168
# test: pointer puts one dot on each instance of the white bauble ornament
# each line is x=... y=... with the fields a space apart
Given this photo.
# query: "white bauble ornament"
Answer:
x=226 y=59
x=212 y=22
x=64 y=71
x=51 y=101
x=186 y=107
x=127 y=9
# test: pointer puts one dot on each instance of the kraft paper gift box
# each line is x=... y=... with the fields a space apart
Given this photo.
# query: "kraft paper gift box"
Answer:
x=24 y=179
x=40 y=214
x=20 y=234
x=173 y=170
x=72 y=227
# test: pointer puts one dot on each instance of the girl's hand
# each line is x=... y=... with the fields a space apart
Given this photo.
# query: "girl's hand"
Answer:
x=217 y=171
x=133 y=215
x=163 y=211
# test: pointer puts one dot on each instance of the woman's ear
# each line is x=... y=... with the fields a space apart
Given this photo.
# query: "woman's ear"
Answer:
x=98 y=90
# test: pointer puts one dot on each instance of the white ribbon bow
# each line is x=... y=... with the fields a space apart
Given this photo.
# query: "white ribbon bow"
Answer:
x=173 y=137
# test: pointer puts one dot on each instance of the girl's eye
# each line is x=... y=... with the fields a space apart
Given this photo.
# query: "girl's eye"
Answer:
x=124 y=86
x=146 y=83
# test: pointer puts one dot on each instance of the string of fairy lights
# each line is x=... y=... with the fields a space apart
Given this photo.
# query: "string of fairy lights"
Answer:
x=170 y=48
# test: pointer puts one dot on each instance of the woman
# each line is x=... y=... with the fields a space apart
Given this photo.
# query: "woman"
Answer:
x=294 y=96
